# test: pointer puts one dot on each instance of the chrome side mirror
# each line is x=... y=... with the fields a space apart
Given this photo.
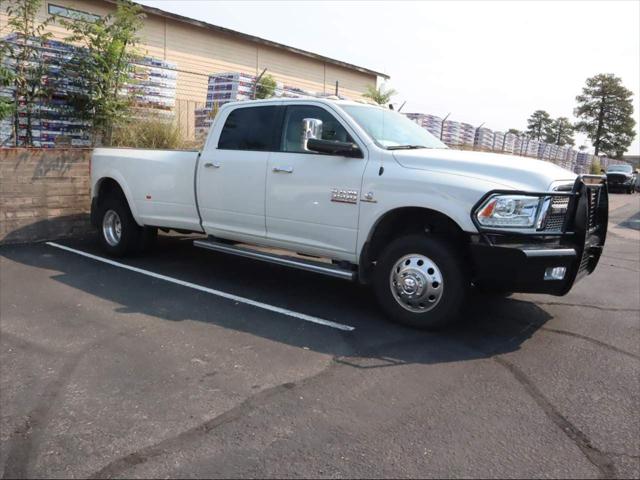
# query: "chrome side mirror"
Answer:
x=311 y=128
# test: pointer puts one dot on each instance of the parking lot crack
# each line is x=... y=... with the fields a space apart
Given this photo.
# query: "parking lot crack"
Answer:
x=591 y=340
x=601 y=460
x=172 y=444
x=597 y=307
x=23 y=442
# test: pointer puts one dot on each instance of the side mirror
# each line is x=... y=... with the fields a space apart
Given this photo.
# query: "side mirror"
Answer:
x=311 y=128
x=345 y=149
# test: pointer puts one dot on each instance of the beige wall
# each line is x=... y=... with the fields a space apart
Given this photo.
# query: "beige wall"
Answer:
x=199 y=52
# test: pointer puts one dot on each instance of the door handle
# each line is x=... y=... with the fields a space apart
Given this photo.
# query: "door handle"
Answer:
x=210 y=165
x=283 y=169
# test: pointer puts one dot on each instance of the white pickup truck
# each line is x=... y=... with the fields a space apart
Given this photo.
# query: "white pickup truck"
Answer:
x=361 y=193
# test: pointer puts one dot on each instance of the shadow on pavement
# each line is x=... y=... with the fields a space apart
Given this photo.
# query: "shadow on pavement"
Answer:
x=491 y=325
x=632 y=222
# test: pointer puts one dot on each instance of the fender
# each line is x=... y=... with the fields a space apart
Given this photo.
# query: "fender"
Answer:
x=119 y=179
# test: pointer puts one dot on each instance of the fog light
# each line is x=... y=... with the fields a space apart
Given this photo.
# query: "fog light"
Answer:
x=555 y=273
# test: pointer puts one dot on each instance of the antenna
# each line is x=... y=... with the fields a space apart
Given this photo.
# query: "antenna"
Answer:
x=403 y=103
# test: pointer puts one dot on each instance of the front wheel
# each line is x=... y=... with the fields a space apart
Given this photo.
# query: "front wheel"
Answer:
x=421 y=281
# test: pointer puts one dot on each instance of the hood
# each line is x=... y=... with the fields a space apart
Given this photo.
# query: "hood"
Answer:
x=510 y=171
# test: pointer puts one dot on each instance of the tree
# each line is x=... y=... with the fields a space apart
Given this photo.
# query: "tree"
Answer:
x=560 y=132
x=31 y=66
x=6 y=80
x=266 y=87
x=103 y=66
x=514 y=131
x=605 y=110
x=379 y=95
x=538 y=125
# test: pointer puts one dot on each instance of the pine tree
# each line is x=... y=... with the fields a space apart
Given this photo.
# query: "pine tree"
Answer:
x=538 y=125
x=605 y=110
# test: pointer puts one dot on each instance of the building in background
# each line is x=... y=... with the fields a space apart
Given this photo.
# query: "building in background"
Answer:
x=197 y=49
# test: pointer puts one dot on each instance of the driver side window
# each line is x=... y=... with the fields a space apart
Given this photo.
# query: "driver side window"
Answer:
x=292 y=130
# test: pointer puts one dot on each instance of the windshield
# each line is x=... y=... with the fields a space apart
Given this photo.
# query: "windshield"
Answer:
x=391 y=130
x=620 y=168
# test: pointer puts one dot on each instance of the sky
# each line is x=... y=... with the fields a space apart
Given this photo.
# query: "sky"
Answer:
x=491 y=62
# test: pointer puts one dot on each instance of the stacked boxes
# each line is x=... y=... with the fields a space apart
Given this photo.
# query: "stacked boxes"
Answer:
x=153 y=86
x=458 y=134
x=431 y=123
x=484 y=139
x=452 y=133
x=583 y=162
x=498 y=141
x=468 y=134
x=222 y=88
x=532 y=148
x=53 y=122
x=232 y=87
x=510 y=142
x=229 y=87
x=50 y=116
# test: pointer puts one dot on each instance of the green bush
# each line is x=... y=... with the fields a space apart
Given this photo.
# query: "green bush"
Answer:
x=148 y=133
x=595 y=166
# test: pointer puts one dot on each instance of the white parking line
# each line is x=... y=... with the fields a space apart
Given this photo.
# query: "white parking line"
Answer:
x=228 y=296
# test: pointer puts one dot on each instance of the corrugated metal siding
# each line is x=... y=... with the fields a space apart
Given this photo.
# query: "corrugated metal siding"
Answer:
x=199 y=52
x=292 y=69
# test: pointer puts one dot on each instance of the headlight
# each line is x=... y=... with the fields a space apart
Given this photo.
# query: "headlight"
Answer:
x=509 y=211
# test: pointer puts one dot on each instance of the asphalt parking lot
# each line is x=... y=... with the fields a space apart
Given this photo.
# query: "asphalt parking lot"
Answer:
x=204 y=365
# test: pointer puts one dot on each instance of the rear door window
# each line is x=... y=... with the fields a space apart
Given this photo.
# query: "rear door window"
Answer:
x=250 y=128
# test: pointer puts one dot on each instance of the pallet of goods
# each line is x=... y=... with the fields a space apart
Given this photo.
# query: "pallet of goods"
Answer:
x=152 y=87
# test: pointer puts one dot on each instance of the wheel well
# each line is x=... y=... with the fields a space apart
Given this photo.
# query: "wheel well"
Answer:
x=406 y=221
x=107 y=187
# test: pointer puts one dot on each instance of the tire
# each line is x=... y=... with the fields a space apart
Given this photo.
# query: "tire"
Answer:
x=119 y=233
x=148 y=239
x=435 y=282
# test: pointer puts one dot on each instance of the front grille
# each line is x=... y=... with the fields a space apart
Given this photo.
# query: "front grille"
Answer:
x=593 y=199
x=557 y=213
x=616 y=178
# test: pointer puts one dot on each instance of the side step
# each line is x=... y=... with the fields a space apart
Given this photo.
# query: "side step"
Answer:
x=284 y=260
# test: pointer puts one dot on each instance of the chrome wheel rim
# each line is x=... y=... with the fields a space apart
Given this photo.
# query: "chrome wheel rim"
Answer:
x=416 y=283
x=112 y=228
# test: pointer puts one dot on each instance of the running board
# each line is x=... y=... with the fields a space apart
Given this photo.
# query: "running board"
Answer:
x=286 y=261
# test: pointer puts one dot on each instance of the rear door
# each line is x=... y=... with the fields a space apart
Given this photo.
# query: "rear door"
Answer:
x=231 y=176
x=312 y=198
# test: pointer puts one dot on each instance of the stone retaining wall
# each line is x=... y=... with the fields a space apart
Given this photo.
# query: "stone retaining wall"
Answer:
x=44 y=193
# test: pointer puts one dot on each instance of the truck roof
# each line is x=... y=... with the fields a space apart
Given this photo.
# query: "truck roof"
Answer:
x=328 y=100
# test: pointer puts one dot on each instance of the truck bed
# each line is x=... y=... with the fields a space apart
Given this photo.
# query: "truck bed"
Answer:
x=158 y=184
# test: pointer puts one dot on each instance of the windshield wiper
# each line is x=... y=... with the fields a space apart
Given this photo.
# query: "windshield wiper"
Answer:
x=405 y=147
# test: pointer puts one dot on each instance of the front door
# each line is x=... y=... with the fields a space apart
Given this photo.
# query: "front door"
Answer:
x=231 y=176
x=313 y=198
